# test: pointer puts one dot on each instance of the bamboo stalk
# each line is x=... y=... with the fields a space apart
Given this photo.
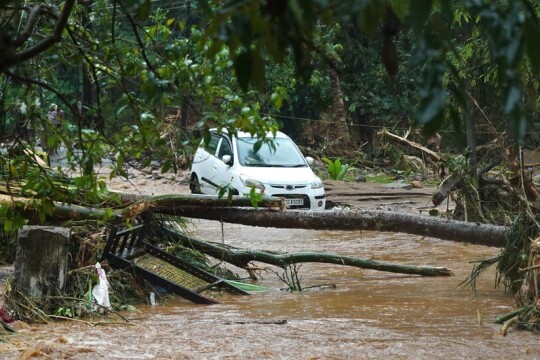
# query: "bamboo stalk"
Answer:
x=507 y=324
x=502 y=319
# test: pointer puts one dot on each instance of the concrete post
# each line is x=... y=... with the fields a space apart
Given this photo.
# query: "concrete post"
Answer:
x=41 y=261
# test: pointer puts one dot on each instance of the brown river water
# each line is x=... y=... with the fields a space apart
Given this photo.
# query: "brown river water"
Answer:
x=369 y=315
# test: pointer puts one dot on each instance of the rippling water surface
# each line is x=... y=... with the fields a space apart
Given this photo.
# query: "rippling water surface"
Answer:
x=369 y=314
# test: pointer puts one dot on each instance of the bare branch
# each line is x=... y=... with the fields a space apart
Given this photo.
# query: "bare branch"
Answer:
x=33 y=17
x=46 y=43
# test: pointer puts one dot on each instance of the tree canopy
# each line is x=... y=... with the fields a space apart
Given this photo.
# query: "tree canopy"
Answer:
x=138 y=78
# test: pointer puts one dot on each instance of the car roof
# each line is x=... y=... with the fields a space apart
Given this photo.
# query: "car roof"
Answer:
x=243 y=134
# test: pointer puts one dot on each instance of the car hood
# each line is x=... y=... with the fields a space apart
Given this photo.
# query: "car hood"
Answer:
x=279 y=175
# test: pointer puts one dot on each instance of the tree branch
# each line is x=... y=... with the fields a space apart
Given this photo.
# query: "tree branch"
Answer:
x=43 y=85
x=139 y=40
x=34 y=15
x=241 y=257
x=48 y=41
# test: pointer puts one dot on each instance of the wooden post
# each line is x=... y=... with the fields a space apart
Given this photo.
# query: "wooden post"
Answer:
x=41 y=261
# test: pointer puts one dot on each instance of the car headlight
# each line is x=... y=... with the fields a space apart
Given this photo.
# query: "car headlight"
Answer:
x=249 y=182
x=317 y=184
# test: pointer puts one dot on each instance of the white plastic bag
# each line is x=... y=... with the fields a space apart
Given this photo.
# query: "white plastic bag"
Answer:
x=100 y=291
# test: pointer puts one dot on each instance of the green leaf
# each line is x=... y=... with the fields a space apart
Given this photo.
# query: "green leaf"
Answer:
x=337 y=164
x=129 y=308
x=146 y=162
x=336 y=170
x=88 y=166
x=222 y=190
x=257 y=146
x=254 y=197
x=166 y=166
x=277 y=100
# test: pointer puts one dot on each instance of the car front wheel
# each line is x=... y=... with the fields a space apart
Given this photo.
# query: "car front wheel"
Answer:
x=194 y=185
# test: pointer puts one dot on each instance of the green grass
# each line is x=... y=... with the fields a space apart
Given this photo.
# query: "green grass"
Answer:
x=380 y=179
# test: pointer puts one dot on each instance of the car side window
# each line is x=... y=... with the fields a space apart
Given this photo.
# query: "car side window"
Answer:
x=225 y=148
x=212 y=144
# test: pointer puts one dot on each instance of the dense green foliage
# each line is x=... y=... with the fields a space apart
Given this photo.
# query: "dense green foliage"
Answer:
x=142 y=80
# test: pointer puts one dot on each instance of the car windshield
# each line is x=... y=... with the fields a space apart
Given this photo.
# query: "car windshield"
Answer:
x=283 y=154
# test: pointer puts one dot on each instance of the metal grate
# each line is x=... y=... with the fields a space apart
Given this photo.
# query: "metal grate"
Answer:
x=170 y=272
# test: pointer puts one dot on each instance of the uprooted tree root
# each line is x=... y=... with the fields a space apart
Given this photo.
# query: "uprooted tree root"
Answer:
x=518 y=270
x=502 y=200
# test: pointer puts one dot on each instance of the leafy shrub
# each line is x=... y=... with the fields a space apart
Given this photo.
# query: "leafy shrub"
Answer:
x=336 y=169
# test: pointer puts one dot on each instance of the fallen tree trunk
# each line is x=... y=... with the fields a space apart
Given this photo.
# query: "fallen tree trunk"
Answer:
x=166 y=203
x=270 y=202
x=173 y=203
x=30 y=209
x=208 y=208
x=242 y=257
x=375 y=220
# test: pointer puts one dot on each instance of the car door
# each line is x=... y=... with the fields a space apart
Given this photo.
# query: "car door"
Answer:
x=222 y=171
x=203 y=164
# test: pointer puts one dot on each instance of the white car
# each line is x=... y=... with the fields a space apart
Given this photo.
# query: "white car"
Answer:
x=230 y=161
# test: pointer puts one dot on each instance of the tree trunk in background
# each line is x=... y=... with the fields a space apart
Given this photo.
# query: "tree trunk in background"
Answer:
x=41 y=262
x=184 y=121
x=471 y=144
x=184 y=114
x=87 y=97
x=341 y=133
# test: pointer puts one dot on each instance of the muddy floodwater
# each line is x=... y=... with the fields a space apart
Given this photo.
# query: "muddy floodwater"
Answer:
x=368 y=315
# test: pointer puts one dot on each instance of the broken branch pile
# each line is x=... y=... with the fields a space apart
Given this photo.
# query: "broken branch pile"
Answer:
x=242 y=257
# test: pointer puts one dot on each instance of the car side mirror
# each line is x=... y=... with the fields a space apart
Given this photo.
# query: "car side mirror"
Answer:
x=309 y=160
x=226 y=159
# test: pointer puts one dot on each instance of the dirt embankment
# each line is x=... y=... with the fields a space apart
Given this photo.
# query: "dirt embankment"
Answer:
x=391 y=197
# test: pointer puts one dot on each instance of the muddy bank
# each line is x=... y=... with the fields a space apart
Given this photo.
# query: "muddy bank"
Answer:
x=391 y=197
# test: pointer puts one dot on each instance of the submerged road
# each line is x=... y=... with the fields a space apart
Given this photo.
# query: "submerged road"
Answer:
x=368 y=315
